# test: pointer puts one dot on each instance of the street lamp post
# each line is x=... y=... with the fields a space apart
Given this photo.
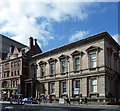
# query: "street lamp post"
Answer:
x=69 y=79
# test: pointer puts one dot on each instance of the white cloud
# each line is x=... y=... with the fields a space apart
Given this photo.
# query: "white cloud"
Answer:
x=78 y=35
x=20 y=19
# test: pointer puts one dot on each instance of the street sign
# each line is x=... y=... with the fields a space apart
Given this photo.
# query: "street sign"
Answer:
x=61 y=101
x=76 y=90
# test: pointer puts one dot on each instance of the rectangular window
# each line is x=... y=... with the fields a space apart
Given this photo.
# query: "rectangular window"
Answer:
x=34 y=72
x=63 y=66
x=15 y=64
x=18 y=63
x=42 y=71
x=52 y=69
x=93 y=85
x=15 y=73
x=18 y=72
x=52 y=88
x=12 y=65
x=12 y=73
x=109 y=60
x=77 y=87
x=5 y=74
x=14 y=83
x=92 y=60
x=78 y=84
x=64 y=88
x=77 y=64
x=6 y=66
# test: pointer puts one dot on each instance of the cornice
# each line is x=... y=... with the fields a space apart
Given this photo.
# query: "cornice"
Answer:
x=78 y=43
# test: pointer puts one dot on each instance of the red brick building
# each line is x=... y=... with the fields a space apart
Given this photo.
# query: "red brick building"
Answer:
x=14 y=69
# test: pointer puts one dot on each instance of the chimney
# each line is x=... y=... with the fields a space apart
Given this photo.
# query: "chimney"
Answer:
x=30 y=42
x=35 y=41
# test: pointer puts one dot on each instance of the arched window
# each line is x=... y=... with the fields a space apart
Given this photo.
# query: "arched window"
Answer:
x=5 y=84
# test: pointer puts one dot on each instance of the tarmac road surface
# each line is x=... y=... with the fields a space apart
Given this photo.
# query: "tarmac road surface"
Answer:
x=49 y=107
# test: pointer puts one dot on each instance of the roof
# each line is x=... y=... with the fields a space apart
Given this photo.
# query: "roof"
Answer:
x=12 y=40
x=78 y=43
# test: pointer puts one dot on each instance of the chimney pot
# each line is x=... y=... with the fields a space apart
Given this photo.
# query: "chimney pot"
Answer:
x=35 y=41
x=30 y=42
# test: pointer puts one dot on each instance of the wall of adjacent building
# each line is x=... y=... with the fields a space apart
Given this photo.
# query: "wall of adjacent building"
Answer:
x=5 y=44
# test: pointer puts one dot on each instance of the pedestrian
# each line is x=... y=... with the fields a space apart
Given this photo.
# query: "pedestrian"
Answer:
x=86 y=100
x=114 y=99
x=68 y=101
x=45 y=99
x=11 y=100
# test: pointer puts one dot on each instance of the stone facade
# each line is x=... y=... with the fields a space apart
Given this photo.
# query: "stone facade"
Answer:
x=5 y=44
x=94 y=69
x=15 y=69
x=86 y=68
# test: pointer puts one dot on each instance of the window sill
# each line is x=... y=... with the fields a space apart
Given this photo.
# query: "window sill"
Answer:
x=77 y=95
x=52 y=75
x=76 y=71
x=42 y=76
x=93 y=68
x=94 y=93
x=64 y=94
x=53 y=94
x=63 y=73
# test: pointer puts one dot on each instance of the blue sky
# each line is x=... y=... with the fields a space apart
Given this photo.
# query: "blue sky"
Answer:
x=55 y=24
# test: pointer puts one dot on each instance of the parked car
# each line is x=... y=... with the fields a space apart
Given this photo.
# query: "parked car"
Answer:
x=27 y=100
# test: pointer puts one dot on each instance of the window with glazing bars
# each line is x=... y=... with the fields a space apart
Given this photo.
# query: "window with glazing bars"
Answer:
x=77 y=64
x=63 y=66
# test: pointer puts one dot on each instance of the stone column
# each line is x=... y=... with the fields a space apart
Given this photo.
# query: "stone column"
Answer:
x=84 y=87
x=57 y=89
x=101 y=86
x=46 y=88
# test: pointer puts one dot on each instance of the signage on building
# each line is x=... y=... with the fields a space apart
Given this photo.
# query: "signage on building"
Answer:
x=61 y=101
x=76 y=90
x=102 y=94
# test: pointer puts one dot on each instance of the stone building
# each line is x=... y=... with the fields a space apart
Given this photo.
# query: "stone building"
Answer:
x=5 y=43
x=15 y=69
x=94 y=70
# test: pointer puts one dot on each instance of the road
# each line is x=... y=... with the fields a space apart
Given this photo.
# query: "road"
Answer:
x=39 y=107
